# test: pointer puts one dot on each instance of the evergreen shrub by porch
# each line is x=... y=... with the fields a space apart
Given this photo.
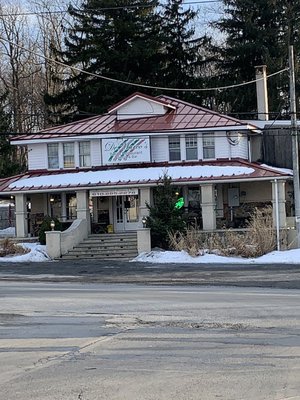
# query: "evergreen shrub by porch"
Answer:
x=164 y=217
x=46 y=226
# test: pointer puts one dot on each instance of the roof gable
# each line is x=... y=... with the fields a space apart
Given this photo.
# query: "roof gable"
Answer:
x=139 y=105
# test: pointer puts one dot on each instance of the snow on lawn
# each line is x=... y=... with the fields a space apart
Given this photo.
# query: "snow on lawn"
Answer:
x=37 y=254
x=181 y=257
x=8 y=232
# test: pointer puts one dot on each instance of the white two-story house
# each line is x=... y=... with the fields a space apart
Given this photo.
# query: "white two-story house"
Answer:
x=105 y=168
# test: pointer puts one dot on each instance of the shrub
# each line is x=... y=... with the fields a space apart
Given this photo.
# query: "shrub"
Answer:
x=9 y=248
x=258 y=239
x=46 y=226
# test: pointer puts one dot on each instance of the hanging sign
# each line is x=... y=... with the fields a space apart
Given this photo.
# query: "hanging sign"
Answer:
x=126 y=150
x=114 y=192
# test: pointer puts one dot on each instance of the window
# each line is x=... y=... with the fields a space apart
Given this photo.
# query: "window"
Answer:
x=84 y=154
x=174 y=148
x=53 y=160
x=208 y=147
x=191 y=147
x=68 y=150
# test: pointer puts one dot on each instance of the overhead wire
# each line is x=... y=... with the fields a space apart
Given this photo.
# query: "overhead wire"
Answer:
x=111 y=8
x=140 y=85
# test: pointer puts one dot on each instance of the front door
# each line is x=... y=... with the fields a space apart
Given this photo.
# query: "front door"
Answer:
x=126 y=215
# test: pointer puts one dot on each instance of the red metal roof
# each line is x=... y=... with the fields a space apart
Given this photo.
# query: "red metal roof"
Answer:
x=183 y=116
x=260 y=173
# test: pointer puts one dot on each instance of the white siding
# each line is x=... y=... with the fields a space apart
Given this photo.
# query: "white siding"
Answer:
x=95 y=153
x=159 y=149
x=241 y=150
x=138 y=108
x=222 y=147
x=37 y=156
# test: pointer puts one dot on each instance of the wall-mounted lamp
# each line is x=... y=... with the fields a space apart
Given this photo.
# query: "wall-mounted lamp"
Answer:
x=52 y=225
x=144 y=221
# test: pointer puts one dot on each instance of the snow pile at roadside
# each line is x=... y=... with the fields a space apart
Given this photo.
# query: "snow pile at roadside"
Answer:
x=37 y=254
x=181 y=257
x=8 y=232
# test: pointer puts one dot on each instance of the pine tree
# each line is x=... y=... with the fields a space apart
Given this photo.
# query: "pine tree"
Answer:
x=184 y=54
x=9 y=162
x=257 y=32
x=164 y=217
x=112 y=39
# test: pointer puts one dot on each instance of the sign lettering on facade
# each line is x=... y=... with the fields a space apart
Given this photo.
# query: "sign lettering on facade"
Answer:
x=114 y=192
x=126 y=150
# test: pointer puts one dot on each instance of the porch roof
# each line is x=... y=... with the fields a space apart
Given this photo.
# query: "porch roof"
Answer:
x=141 y=175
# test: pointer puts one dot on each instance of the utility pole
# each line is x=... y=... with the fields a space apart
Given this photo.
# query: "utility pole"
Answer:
x=295 y=152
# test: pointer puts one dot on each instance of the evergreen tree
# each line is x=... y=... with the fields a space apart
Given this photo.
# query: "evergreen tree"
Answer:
x=163 y=216
x=9 y=162
x=184 y=55
x=257 y=32
x=112 y=39
x=140 y=43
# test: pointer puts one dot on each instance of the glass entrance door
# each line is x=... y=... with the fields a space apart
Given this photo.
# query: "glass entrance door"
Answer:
x=126 y=213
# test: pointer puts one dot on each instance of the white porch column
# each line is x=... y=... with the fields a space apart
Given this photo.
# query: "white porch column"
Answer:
x=144 y=198
x=83 y=211
x=21 y=215
x=280 y=199
x=63 y=206
x=208 y=206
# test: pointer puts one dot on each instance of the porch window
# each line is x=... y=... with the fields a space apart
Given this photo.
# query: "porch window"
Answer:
x=191 y=147
x=71 y=202
x=208 y=147
x=53 y=160
x=68 y=151
x=174 y=148
x=84 y=154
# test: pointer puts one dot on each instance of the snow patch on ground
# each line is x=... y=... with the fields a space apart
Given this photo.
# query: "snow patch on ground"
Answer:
x=181 y=257
x=37 y=254
x=8 y=232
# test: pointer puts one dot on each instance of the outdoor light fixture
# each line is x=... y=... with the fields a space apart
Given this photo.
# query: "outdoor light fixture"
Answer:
x=51 y=199
x=144 y=221
x=52 y=224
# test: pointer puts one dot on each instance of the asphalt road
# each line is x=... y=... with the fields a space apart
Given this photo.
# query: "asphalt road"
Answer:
x=82 y=341
x=269 y=276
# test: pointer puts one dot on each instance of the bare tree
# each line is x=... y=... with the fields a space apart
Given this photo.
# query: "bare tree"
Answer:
x=53 y=21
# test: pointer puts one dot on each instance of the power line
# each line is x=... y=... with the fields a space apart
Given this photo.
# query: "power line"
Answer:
x=144 y=86
x=29 y=13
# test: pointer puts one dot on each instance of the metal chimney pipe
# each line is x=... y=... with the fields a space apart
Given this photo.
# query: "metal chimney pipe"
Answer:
x=262 y=92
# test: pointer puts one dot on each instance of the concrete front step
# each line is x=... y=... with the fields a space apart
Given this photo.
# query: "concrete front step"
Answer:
x=105 y=246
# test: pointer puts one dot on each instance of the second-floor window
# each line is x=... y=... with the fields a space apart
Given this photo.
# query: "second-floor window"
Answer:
x=53 y=157
x=68 y=152
x=174 y=148
x=208 y=147
x=84 y=154
x=191 y=147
